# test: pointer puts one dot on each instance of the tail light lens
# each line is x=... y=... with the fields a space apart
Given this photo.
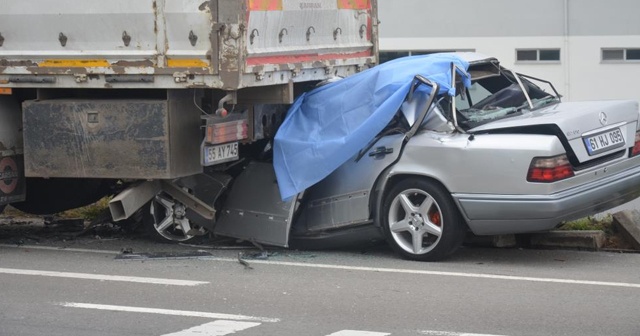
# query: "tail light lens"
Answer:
x=549 y=169
x=636 y=145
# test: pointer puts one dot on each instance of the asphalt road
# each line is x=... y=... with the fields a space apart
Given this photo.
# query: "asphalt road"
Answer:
x=88 y=291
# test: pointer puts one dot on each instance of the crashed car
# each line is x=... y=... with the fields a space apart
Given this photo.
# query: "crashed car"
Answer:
x=419 y=151
x=502 y=156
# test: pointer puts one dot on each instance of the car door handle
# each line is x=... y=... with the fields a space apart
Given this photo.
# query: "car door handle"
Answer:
x=381 y=151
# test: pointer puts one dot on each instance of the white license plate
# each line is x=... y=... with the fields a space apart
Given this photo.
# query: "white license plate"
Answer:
x=604 y=141
x=220 y=153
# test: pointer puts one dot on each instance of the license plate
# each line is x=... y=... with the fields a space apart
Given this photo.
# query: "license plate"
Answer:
x=604 y=141
x=220 y=153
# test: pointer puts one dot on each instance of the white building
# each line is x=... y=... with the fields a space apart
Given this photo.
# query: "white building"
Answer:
x=589 y=49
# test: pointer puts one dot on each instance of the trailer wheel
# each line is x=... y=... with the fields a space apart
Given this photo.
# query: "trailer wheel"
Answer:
x=166 y=221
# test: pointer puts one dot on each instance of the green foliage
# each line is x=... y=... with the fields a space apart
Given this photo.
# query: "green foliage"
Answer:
x=89 y=212
x=589 y=223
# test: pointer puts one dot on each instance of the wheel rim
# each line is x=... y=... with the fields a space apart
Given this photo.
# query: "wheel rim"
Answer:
x=170 y=221
x=415 y=221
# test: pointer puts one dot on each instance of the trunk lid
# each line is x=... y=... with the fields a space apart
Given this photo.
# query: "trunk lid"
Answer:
x=592 y=129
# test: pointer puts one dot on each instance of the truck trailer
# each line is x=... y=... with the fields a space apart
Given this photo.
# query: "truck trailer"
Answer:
x=163 y=102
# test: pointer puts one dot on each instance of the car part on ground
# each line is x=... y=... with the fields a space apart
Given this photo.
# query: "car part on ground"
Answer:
x=166 y=221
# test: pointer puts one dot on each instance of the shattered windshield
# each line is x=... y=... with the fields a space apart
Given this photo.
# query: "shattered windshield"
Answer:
x=498 y=97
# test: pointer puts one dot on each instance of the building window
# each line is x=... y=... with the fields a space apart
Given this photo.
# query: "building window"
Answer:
x=538 y=55
x=386 y=56
x=620 y=54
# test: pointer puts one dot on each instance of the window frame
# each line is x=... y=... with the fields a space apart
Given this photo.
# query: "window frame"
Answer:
x=624 y=59
x=538 y=60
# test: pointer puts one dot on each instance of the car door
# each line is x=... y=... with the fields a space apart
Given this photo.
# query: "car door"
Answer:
x=342 y=199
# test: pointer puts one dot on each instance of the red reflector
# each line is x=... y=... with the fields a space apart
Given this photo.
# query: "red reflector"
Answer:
x=636 y=146
x=227 y=132
x=547 y=170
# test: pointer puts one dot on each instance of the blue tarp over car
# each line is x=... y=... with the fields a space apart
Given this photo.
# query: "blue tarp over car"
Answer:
x=330 y=124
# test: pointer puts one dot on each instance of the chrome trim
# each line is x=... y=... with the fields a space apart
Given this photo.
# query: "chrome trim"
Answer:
x=600 y=130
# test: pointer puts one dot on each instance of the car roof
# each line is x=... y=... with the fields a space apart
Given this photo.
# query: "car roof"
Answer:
x=474 y=57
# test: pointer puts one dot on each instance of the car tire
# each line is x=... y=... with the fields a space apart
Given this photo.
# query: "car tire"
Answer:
x=420 y=220
x=164 y=208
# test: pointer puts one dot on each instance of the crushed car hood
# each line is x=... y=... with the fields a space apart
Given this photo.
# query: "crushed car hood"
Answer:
x=573 y=118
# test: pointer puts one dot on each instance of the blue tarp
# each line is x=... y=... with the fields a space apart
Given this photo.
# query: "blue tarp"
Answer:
x=330 y=124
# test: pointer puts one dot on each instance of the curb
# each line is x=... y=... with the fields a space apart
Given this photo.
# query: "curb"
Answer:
x=586 y=240
x=628 y=222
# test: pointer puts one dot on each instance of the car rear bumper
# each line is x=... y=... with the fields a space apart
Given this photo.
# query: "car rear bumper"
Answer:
x=505 y=214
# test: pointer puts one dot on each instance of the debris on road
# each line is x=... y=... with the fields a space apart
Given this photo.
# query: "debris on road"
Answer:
x=243 y=262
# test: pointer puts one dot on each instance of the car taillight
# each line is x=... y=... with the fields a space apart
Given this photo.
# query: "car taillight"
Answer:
x=550 y=169
x=636 y=145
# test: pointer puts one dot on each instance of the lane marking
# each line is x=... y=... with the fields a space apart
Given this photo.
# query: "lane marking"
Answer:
x=384 y=270
x=168 y=312
x=449 y=333
x=216 y=328
x=103 y=277
x=422 y=272
x=358 y=333
x=49 y=248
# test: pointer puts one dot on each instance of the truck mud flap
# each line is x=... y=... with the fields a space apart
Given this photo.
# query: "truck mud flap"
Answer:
x=254 y=210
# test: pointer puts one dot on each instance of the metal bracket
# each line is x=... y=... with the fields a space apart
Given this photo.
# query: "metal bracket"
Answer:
x=63 y=39
x=193 y=38
x=363 y=28
x=80 y=78
x=190 y=201
x=309 y=32
x=335 y=33
x=180 y=77
x=283 y=32
x=126 y=38
x=253 y=35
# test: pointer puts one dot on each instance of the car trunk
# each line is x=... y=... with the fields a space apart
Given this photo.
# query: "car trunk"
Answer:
x=591 y=132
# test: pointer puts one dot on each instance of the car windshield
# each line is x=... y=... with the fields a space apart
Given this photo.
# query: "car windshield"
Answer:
x=498 y=97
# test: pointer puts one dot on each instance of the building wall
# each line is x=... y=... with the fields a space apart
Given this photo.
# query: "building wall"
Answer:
x=579 y=28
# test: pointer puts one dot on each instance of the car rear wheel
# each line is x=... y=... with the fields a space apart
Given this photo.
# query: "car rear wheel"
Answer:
x=166 y=221
x=420 y=220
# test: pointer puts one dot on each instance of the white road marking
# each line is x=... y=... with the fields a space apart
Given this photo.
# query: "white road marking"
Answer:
x=169 y=312
x=103 y=277
x=387 y=270
x=449 y=333
x=216 y=328
x=358 y=333
x=454 y=274
x=50 y=248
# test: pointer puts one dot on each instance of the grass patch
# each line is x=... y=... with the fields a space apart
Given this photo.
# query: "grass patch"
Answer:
x=589 y=223
x=89 y=212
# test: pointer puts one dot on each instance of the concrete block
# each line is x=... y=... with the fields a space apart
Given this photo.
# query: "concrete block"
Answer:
x=628 y=222
x=590 y=240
